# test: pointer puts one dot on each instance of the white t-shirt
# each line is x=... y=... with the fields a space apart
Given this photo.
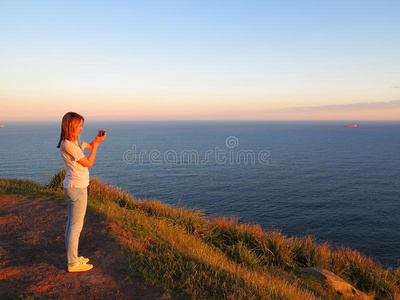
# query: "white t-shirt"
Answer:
x=77 y=175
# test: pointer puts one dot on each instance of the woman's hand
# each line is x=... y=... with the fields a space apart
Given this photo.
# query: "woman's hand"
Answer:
x=100 y=137
x=97 y=140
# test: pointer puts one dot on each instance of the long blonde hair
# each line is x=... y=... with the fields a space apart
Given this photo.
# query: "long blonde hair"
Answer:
x=69 y=125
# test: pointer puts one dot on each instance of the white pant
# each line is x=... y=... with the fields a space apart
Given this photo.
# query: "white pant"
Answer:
x=77 y=202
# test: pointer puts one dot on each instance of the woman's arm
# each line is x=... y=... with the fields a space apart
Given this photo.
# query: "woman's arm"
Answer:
x=89 y=161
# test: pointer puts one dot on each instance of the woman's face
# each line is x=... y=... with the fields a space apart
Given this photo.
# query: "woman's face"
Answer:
x=78 y=129
x=80 y=126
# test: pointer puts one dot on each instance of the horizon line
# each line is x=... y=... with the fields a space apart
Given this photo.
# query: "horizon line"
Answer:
x=210 y=120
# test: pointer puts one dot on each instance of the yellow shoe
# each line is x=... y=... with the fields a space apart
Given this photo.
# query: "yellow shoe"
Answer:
x=80 y=268
x=83 y=260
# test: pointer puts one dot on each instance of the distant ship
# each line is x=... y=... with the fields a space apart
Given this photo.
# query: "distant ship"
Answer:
x=350 y=125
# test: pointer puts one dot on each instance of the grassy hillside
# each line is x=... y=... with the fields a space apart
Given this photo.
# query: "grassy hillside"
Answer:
x=202 y=258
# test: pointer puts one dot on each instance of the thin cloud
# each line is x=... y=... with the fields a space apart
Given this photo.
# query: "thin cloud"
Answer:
x=397 y=86
x=363 y=106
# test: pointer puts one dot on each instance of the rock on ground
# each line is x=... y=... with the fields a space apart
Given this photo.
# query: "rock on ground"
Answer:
x=337 y=283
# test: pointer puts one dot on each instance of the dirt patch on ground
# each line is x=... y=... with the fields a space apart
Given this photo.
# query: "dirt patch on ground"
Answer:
x=33 y=257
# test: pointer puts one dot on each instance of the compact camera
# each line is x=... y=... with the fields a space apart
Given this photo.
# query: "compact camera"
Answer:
x=102 y=133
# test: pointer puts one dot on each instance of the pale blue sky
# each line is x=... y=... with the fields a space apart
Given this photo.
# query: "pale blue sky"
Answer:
x=195 y=59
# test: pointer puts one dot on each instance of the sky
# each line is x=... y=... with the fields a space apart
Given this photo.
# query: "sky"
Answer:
x=200 y=60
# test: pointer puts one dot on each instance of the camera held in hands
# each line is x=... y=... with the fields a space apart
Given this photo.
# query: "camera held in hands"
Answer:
x=102 y=133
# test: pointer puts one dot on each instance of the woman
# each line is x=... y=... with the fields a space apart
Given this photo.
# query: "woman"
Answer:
x=76 y=182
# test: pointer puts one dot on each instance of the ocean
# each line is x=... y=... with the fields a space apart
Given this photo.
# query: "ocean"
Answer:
x=341 y=185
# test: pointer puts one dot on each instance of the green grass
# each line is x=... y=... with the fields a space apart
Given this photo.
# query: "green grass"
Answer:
x=217 y=258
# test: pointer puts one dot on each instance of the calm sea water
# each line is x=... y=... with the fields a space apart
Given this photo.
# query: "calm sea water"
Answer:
x=340 y=184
